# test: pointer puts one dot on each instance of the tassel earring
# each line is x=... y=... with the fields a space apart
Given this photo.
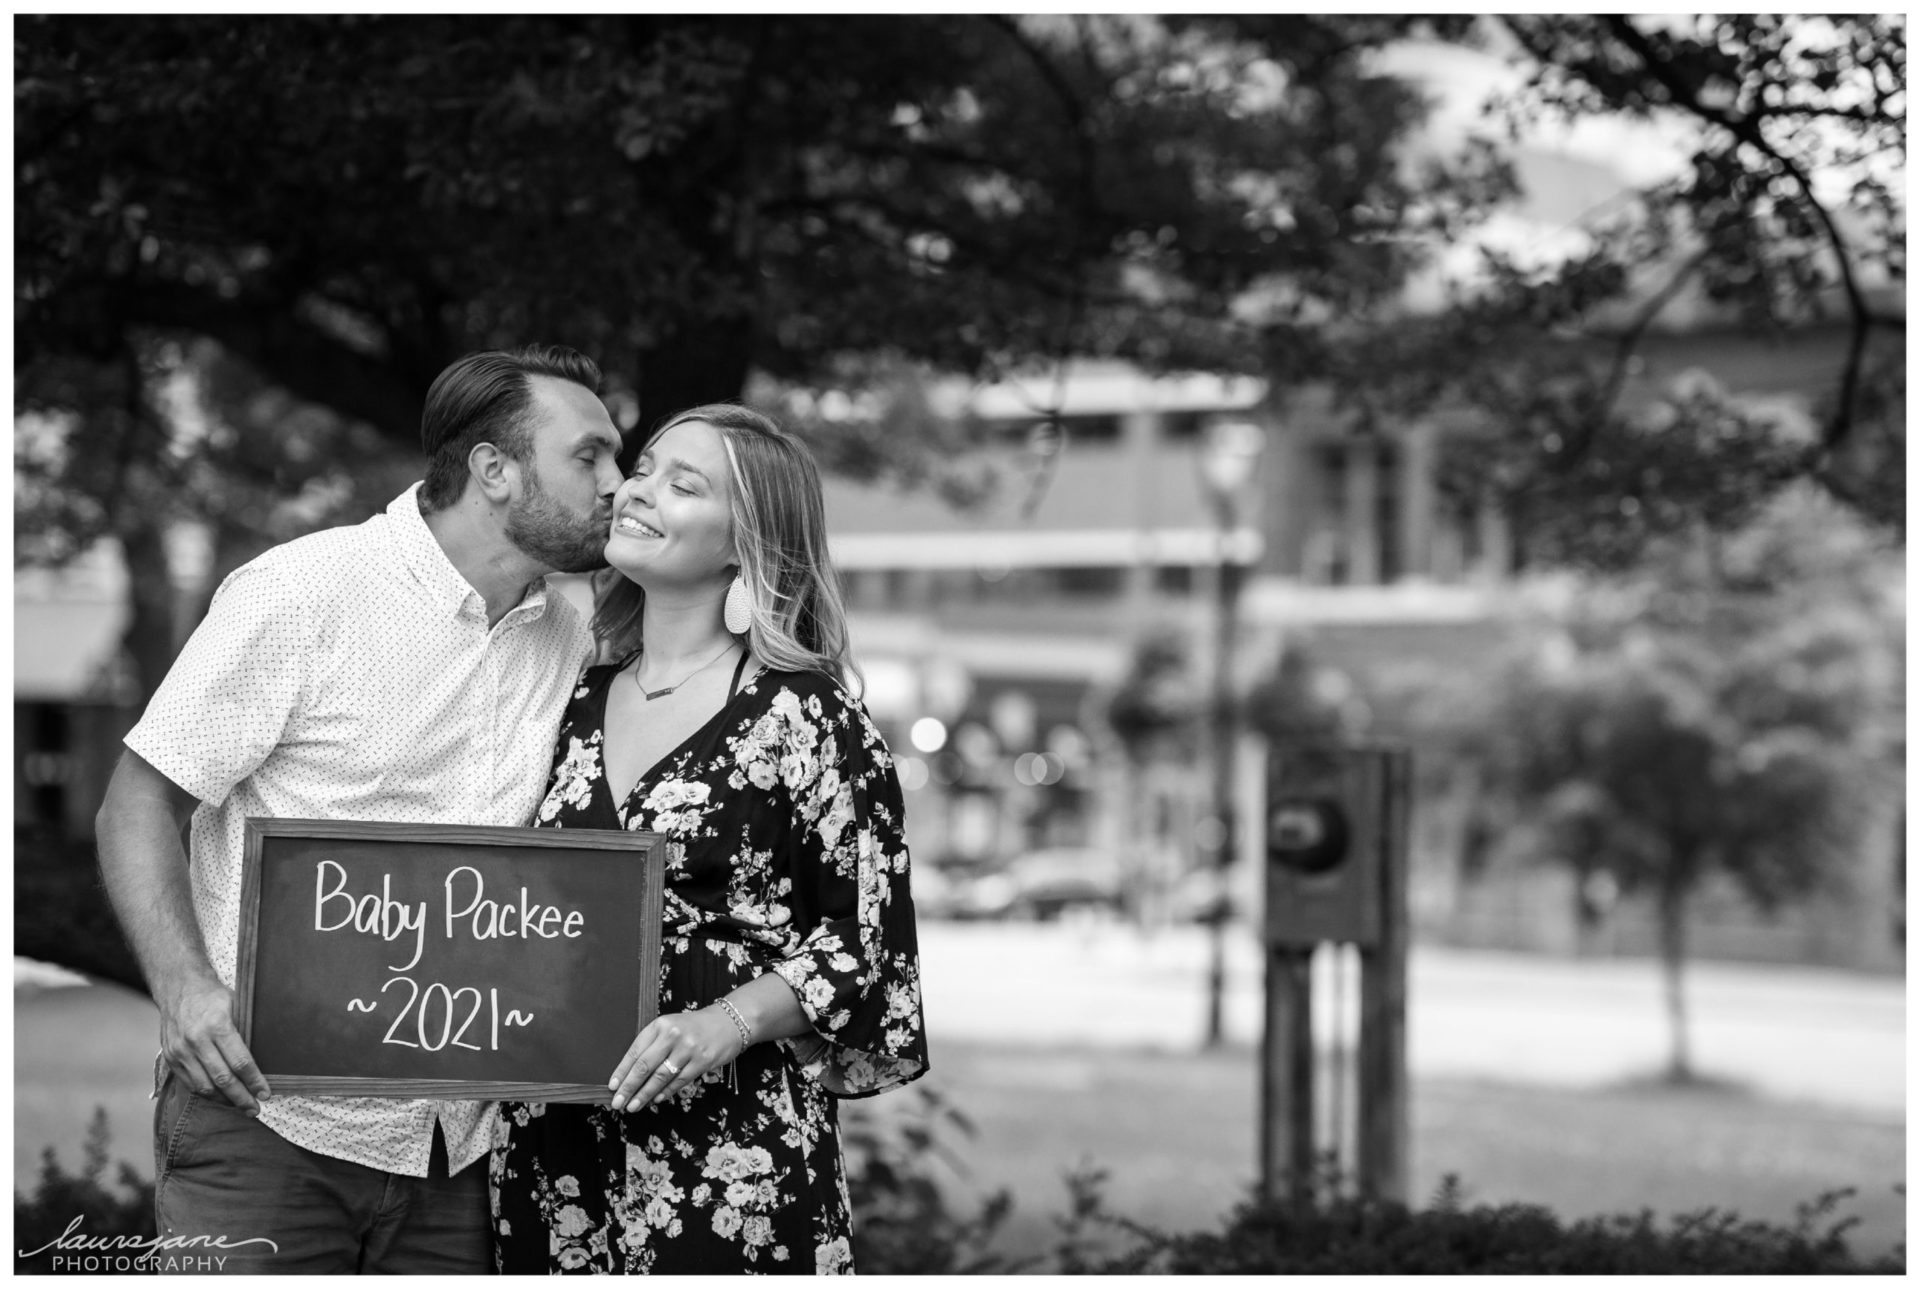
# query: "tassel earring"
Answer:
x=739 y=610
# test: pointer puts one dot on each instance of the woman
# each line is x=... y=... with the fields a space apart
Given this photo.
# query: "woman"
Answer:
x=789 y=974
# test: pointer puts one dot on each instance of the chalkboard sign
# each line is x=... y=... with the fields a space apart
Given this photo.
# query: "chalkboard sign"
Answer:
x=429 y=960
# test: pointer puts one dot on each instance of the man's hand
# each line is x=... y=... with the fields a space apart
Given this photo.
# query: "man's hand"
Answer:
x=203 y=1047
x=145 y=870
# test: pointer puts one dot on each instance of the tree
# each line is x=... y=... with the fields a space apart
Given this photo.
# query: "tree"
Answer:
x=1733 y=712
x=348 y=202
x=185 y=435
x=342 y=204
x=1789 y=217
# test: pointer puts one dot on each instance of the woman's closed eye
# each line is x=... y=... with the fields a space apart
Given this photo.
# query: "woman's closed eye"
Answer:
x=679 y=486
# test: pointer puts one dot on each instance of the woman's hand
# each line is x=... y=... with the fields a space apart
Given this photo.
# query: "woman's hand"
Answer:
x=672 y=1052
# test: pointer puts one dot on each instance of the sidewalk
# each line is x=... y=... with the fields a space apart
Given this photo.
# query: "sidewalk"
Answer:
x=1802 y=1034
x=1825 y=1037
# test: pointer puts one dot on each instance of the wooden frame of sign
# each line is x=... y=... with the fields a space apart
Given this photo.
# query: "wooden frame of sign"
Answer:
x=506 y=963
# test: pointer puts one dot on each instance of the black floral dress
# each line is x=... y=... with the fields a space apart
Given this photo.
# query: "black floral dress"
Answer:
x=785 y=854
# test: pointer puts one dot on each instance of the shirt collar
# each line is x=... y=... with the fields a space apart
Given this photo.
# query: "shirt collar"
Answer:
x=421 y=552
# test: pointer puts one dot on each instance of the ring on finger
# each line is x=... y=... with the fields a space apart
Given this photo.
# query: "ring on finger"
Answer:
x=673 y=1071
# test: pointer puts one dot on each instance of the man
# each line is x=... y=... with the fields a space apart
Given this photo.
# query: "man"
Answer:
x=411 y=668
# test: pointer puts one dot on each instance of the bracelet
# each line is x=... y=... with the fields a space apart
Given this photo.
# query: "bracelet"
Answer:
x=746 y=1034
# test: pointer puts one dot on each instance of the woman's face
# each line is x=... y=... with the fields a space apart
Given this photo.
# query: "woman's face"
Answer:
x=673 y=517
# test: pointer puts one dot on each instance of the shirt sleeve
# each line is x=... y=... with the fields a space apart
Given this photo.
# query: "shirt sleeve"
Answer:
x=226 y=701
x=857 y=971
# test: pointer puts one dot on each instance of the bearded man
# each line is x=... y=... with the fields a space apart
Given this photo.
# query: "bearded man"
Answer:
x=411 y=668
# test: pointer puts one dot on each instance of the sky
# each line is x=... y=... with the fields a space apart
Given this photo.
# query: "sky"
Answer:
x=1569 y=172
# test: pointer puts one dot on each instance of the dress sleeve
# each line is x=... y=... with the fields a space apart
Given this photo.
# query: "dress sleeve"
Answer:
x=857 y=969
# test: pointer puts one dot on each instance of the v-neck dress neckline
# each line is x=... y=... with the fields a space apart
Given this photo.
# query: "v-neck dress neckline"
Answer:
x=623 y=807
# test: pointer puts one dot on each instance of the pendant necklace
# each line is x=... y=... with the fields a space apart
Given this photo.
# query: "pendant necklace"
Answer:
x=652 y=694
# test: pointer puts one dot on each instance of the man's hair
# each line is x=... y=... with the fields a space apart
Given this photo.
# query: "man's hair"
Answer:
x=484 y=398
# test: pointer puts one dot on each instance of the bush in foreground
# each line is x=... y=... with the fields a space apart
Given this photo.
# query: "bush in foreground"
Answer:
x=1348 y=1236
x=904 y=1224
x=60 y=1197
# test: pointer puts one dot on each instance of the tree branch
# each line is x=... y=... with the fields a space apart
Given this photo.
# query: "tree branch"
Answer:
x=1088 y=198
x=1747 y=130
x=302 y=358
x=1627 y=343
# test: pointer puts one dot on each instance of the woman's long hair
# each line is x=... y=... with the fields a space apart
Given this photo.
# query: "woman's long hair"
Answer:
x=798 y=621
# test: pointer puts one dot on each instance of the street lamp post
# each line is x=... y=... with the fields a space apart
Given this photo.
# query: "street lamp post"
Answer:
x=1227 y=459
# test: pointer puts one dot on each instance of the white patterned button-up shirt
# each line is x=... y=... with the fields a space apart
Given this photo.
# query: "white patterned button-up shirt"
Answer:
x=351 y=674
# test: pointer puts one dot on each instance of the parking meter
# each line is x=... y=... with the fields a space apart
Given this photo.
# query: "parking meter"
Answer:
x=1324 y=852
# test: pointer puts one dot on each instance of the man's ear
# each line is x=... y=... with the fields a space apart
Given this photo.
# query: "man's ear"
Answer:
x=493 y=472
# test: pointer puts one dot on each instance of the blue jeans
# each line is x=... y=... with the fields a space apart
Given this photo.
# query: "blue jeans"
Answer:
x=219 y=1172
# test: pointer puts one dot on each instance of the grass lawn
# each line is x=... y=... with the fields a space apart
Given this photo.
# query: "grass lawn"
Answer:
x=1176 y=1132
x=1178 y=1136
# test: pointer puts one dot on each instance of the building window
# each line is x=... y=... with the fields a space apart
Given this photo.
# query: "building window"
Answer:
x=1083 y=583
x=1354 y=538
x=43 y=762
x=1173 y=579
x=1388 y=486
x=1182 y=427
x=1081 y=429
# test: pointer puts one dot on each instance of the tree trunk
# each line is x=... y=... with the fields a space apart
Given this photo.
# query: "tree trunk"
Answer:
x=149 y=638
x=1445 y=826
x=1673 y=950
x=1141 y=891
x=706 y=361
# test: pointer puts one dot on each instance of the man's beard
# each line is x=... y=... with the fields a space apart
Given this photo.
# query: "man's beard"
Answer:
x=544 y=530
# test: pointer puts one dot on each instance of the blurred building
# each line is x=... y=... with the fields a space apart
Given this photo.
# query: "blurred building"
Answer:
x=994 y=636
x=72 y=694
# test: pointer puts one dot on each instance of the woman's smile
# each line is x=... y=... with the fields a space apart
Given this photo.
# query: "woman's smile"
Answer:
x=636 y=527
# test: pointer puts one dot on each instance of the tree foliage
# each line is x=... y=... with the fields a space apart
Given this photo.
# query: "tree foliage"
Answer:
x=346 y=202
x=334 y=206
x=185 y=435
x=1789 y=217
x=1733 y=712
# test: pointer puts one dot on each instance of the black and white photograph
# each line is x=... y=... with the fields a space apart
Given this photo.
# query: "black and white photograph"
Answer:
x=959 y=644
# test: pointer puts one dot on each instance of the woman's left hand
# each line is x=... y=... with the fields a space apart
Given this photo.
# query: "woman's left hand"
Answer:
x=672 y=1052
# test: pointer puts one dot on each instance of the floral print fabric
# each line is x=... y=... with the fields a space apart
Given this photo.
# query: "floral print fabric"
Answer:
x=785 y=853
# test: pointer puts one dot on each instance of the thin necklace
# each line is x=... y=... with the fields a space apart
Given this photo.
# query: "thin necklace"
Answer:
x=662 y=693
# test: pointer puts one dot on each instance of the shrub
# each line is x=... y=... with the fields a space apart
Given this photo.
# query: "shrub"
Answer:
x=1350 y=1236
x=62 y=1197
x=904 y=1224
x=902 y=1221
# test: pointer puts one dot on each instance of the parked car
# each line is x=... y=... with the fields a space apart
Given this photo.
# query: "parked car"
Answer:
x=1199 y=895
x=961 y=890
x=1047 y=883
